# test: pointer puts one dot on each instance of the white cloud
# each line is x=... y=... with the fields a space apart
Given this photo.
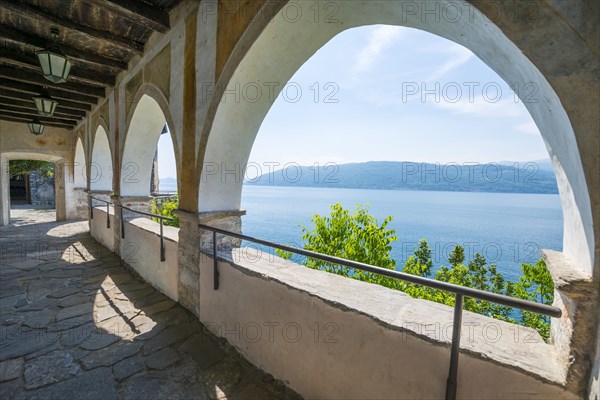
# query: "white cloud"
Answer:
x=457 y=56
x=380 y=39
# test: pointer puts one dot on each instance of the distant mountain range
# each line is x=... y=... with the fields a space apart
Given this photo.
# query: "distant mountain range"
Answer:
x=502 y=177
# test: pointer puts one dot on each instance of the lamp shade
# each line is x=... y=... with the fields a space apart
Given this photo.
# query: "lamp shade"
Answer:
x=45 y=105
x=36 y=127
x=55 y=65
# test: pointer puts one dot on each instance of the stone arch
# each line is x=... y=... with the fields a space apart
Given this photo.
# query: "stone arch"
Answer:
x=101 y=167
x=79 y=166
x=145 y=123
x=273 y=49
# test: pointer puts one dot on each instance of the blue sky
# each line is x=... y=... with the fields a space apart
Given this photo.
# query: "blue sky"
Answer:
x=377 y=108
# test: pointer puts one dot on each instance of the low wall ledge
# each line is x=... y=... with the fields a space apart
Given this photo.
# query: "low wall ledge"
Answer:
x=398 y=311
x=565 y=274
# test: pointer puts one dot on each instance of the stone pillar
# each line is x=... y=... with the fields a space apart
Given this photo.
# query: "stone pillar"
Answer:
x=141 y=203
x=226 y=220
x=60 y=201
x=188 y=260
x=193 y=241
x=574 y=334
x=81 y=204
x=4 y=192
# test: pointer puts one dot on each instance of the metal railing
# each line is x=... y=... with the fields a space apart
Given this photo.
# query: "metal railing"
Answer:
x=459 y=291
x=161 y=218
x=108 y=204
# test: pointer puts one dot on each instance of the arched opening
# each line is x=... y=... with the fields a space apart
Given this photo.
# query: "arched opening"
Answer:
x=283 y=47
x=35 y=193
x=149 y=139
x=101 y=169
x=79 y=166
x=387 y=124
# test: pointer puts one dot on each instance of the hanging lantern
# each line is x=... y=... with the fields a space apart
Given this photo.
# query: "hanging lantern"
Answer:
x=36 y=127
x=45 y=105
x=55 y=65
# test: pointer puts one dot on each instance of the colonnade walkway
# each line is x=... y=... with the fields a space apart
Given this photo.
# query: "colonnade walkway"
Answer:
x=75 y=323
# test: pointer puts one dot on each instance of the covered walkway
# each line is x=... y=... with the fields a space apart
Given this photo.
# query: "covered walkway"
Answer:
x=75 y=323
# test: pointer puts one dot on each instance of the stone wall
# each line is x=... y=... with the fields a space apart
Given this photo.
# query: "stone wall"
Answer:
x=41 y=189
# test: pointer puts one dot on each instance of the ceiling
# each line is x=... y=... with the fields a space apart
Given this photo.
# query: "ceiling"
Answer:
x=98 y=36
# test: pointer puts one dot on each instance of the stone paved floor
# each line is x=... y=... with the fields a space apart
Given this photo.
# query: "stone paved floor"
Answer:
x=75 y=324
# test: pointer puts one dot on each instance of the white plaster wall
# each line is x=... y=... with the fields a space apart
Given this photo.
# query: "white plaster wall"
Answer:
x=101 y=169
x=142 y=137
x=79 y=167
x=99 y=230
x=141 y=250
x=330 y=337
x=284 y=46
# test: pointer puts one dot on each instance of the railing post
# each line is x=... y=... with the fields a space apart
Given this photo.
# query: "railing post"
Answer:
x=162 y=244
x=122 y=223
x=451 y=383
x=107 y=215
x=215 y=261
x=91 y=208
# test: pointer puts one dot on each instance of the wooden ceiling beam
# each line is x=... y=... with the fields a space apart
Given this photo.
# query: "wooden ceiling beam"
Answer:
x=34 y=114
x=143 y=14
x=24 y=121
x=31 y=62
x=22 y=75
x=30 y=105
x=37 y=89
x=67 y=24
x=38 y=43
x=18 y=96
x=44 y=120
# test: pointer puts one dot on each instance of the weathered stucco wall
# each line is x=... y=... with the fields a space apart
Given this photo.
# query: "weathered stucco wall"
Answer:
x=99 y=229
x=333 y=337
x=141 y=250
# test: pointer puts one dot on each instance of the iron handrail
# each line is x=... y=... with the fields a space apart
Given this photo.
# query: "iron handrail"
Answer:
x=108 y=204
x=161 y=219
x=121 y=207
x=459 y=291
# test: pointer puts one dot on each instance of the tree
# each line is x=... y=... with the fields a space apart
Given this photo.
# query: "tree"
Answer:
x=358 y=236
x=355 y=236
x=166 y=208
x=24 y=167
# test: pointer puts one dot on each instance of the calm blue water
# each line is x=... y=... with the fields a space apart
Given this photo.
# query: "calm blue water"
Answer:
x=507 y=228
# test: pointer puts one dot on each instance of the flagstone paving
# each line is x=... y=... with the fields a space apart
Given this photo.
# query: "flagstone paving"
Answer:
x=75 y=323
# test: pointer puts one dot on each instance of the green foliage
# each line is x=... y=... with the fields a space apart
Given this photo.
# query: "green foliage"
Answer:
x=165 y=208
x=357 y=236
x=23 y=167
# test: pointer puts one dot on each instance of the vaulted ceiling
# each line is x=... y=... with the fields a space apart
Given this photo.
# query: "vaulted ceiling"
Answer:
x=98 y=36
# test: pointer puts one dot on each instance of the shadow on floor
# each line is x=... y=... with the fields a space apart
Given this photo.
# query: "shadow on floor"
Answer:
x=75 y=323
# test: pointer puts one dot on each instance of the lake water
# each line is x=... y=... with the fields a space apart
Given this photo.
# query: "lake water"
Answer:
x=507 y=228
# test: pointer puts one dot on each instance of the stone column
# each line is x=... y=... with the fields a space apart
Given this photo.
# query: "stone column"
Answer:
x=188 y=260
x=4 y=192
x=81 y=203
x=193 y=241
x=60 y=200
x=226 y=220
x=574 y=334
